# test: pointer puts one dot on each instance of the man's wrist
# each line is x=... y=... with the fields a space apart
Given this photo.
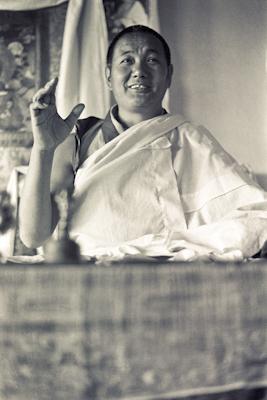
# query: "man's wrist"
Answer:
x=43 y=149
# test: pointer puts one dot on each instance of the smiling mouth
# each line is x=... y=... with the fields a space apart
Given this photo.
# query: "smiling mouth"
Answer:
x=139 y=87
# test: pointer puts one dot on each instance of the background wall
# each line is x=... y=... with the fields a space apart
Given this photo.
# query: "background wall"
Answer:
x=219 y=50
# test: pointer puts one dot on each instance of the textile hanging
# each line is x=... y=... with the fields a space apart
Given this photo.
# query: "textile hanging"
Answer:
x=82 y=68
x=24 y=5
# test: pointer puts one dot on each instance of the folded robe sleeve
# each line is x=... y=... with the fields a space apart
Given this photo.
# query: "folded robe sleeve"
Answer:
x=224 y=208
x=211 y=183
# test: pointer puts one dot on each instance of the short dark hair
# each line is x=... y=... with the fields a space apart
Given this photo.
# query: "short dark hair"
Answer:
x=138 y=29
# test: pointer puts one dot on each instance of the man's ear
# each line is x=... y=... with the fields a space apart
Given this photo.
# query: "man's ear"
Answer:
x=108 y=76
x=169 y=74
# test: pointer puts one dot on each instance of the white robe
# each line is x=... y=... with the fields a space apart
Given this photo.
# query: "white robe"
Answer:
x=164 y=186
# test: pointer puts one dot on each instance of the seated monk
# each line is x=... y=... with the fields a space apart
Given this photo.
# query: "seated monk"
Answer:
x=142 y=177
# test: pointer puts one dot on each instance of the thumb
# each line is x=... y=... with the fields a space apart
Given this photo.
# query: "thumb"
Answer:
x=74 y=115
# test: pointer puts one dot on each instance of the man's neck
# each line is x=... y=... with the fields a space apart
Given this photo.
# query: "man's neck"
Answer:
x=128 y=119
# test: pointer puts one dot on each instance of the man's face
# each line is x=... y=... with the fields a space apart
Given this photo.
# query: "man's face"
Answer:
x=139 y=75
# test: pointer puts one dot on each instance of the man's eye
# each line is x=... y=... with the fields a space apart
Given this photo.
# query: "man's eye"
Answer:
x=126 y=61
x=152 y=60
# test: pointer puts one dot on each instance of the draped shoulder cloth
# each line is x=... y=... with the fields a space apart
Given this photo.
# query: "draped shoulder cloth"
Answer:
x=165 y=186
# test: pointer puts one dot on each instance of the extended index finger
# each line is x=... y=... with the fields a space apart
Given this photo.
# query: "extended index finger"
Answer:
x=47 y=93
x=51 y=86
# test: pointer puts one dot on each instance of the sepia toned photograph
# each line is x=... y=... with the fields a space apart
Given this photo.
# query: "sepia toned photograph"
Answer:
x=133 y=200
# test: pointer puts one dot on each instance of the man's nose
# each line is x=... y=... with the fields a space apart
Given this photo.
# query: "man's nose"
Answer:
x=139 y=69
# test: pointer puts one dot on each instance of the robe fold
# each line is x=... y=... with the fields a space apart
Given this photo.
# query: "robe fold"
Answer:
x=164 y=186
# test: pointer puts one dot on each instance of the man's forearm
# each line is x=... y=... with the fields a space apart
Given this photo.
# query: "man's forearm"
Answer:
x=36 y=209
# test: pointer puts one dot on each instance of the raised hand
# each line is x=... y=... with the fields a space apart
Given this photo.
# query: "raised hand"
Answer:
x=49 y=129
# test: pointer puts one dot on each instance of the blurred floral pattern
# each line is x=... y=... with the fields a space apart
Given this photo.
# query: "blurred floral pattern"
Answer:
x=17 y=46
x=18 y=80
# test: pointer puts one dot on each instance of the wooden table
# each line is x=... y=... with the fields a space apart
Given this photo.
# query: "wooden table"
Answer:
x=123 y=331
